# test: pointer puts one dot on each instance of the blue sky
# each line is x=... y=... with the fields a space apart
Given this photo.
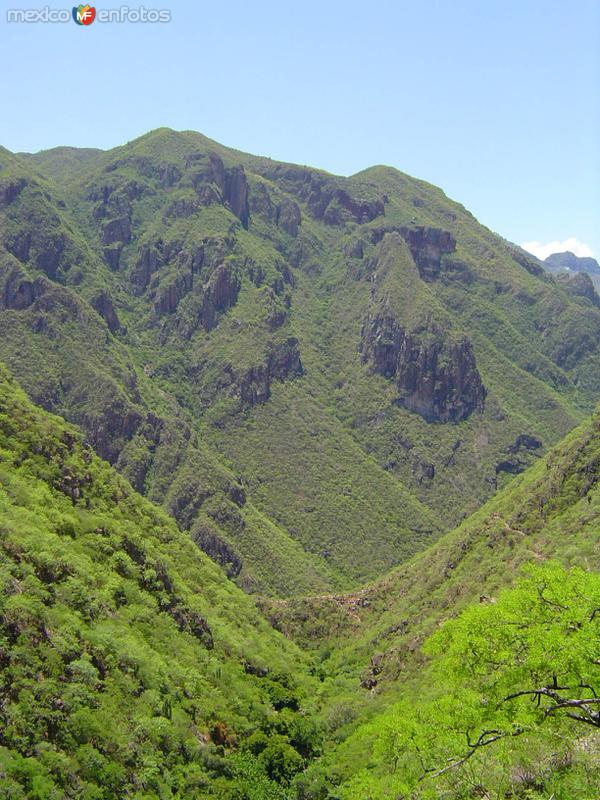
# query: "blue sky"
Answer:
x=496 y=102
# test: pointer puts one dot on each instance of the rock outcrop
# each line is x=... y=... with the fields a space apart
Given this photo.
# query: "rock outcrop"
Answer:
x=435 y=374
x=20 y=292
x=427 y=246
x=579 y=284
x=113 y=207
x=218 y=294
x=327 y=198
x=148 y=262
x=111 y=425
x=10 y=189
x=524 y=441
x=288 y=216
x=215 y=183
x=170 y=294
x=281 y=363
x=218 y=549
x=103 y=304
x=528 y=262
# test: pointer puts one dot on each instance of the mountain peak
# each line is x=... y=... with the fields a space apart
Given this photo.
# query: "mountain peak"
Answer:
x=568 y=260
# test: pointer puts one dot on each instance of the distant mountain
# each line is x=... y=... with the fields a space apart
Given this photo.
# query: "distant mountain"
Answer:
x=561 y=261
x=579 y=284
x=315 y=375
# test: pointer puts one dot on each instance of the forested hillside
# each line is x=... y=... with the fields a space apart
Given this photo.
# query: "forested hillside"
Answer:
x=315 y=375
x=130 y=666
x=299 y=480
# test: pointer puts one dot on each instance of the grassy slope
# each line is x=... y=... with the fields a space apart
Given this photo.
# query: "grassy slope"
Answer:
x=550 y=512
x=316 y=456
x=130 y=664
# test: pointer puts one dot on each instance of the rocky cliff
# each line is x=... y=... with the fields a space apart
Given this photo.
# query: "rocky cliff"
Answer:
x=435 y=374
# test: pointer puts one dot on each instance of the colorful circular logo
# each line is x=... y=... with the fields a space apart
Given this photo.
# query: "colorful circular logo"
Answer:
x=84 y=15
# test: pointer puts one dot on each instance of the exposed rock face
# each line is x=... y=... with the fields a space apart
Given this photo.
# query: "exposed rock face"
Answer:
x=181 y=208
x=103 y=304
x=217 y=548
x=194 y=623
x=115 y=423
x=112 y=255
x=528 y=262
x=289 y=217
x=327 y=198
x=282 y=362
x=343 y=206
x=10 y=189
x=219 y=294
x=285 y=214
x=20 y=292
x=114 y=196
x=116 y=230
x=569 y=261
x=235 y=192
x=427 y=246
x=149 y=261
x=43 y=248
x=169 y=295
x=261 y=203
x=115 y=234
x=113 y=206
x=430 y=248
x=19 y=245
x=512 y=466
x=214 y=183
x=525 y=442
x=435 y=376
x=579 y=284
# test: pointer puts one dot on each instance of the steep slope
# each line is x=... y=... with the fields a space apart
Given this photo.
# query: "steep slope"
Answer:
x=370 y=641
x=359 y=355
x=68 y=346
x=130 y=666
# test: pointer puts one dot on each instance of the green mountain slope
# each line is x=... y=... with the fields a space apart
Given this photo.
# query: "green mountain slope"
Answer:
x=371 y=641
x=316 y=375
x=130 y=666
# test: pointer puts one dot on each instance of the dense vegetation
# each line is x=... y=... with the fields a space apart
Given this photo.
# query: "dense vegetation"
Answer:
x=509 y=703
x=319 y=382
x=130 y=665
x=315 y=375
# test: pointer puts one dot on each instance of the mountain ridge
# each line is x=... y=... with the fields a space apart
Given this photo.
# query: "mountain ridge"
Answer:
x=274 y=336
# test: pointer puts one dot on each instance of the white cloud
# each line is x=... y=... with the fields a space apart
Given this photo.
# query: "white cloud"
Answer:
x=542 y=251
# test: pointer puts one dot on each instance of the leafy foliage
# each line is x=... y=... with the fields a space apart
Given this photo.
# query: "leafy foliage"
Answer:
x=510 y=682
x=129 y=664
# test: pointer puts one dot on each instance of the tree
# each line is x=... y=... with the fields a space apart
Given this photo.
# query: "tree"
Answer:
x=520 y=675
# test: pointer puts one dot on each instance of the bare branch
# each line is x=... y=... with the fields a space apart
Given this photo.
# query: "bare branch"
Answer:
x=482 y=741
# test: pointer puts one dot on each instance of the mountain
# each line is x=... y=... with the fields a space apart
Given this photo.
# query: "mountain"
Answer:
x=315 y=375
x=373 y=641
x=579 y=284
x=130 y=665
x=569 y=261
